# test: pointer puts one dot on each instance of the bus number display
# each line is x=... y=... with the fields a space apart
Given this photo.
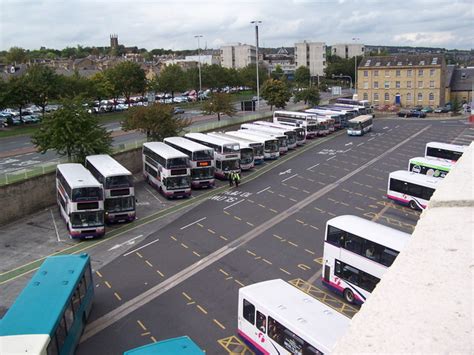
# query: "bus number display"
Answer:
x=203 y=163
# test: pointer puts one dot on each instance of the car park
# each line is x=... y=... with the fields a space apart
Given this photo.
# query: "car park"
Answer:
x=444 y=109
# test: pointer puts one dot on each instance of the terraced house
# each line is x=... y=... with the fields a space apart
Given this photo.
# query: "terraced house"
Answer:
x=405 y=80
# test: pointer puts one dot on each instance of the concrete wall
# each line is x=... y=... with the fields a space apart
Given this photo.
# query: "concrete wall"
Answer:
x=424 y=303
x=30 y=196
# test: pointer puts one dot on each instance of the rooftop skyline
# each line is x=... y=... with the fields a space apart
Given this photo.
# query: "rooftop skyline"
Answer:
x=162 y=24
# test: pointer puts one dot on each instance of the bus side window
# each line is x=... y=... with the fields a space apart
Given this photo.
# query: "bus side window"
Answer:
x=261 y=322
x=249 y=311
x=336 y=236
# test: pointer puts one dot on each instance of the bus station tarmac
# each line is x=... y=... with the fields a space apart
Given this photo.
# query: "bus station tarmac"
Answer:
x=177 y=269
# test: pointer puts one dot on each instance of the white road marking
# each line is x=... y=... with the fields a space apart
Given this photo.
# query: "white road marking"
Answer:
x=311 y=167
x=330 y=158
x=143 y=246
x=350 y=143
x=358 y=145
x=190 y=224
x=288 y=178
x=265 y=189
x=128 y=242
x=371 y=139
x=234 y=204
x=151 y=192
x=55 y=226
x=285 y=172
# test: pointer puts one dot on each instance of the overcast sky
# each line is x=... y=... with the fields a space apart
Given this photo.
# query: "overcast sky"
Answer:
x=172 y=24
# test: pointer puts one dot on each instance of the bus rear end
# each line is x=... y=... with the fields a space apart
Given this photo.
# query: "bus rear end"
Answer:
x=119 y=204
x=86 y=218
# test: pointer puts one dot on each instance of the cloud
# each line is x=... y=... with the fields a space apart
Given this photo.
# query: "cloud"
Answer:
x=425 y=39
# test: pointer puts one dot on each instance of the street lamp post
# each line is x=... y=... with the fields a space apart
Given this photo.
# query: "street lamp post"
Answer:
x=355 y=68
x=256 y=22
x=199 y=66
x=340 y=76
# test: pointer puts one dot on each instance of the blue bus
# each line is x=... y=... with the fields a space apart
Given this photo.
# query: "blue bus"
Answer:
x=49 y=315
x=175 y=346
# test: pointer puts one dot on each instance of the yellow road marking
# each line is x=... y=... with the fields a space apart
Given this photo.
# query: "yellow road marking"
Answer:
x=229 y=278
x=186 y=295
x=344 y=204
x=274 y=211
x=304 y=267
x=292 y=199
x=117 y=296
x=286 y=272
x=107 y=283
x=174 y=238
x=240 y=283
x=294 y=187
x=263 y=206
x=140 y=255
x=146 y=333
x=219 y=324
x=277 y=236
x=201 y=309
x=314 y=227
x=250 y=224
x=332 y=200
x=225 y=273
x=294 y=244
x=153 y=338
x=227 y=213
x=312 y=180
x=160 y=273
x=197 y=254
x=331 y=214
x=306 y=192
x=98 y=274
x=148 y=263
x=251 y=253
x=141 y=325
x=238 y=218
x=281 y=195
x=267 y=261
x=184 y=245
x=320 y=210
x=299 y=221
x=360 y=209
x=319 y=260
x=251 y=201
x=200 y=225
x=190 y=303
x=211 y=231
x=309 y=251
x=270 y=191
x=222 y=237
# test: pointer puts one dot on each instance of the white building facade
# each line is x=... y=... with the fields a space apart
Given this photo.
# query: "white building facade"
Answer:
x=348 y=50
x=238 y=55
x=311 y=55
x=204 y=59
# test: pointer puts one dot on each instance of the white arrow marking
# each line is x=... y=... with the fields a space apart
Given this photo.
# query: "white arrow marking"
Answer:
x=128 y=242
x=285 y=172
x=350 y=143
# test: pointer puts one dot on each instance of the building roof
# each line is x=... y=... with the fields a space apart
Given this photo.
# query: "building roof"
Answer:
x=449 y=74
x=462 y=79
x=405 y=60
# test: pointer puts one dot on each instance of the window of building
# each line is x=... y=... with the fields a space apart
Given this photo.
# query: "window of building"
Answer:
x=420 y=72
x=376 y=84
x=366 y=73
x=376 y=97
x=397 y=84
x=376 y=73
x=432 y=84
x=398 y=72
x=386 y=96
x=366 y=84
x=420 y=96
x=409 y=72
x=408 y=84
x=387 y=85
x=431 y=96
x=387 y=72
x=409 y=98
x=366 y=96
x=432 y=72
x=420 y=85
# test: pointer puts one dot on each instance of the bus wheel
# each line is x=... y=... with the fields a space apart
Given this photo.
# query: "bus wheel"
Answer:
x=413 y=205
x=349 y=295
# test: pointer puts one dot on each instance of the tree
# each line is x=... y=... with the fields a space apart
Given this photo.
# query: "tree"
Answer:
x=171 y=79
x=17 y=93
x=248 y=76
x=278 y=73
x=43 y=83
x=308 y=95
x=219 y=104
x=127 y=78
x=16 y=55
x=156 y=121
x=72 y=132
x=276 y=93
x=302 y=76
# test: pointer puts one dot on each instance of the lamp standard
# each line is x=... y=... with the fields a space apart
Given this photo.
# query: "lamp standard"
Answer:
x=340 y=76
x=256 y=22
x=199 y=66
x=355 y=68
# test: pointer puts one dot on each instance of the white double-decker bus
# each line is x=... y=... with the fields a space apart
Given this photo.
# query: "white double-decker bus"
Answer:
x=275 y=317
x=248 y=150
x=226 y=153
x=287 y=139
x=357 y=252
x=300 y=119
x=430 y=166
x=271 y=147
x=327 y=120
x=80 y=200
x=119 y=192
x=201 y=160
x=299 y=131
x=447 y=151
x=167 y=169
x=411 y=189
x=360 y=125
x=337 y=117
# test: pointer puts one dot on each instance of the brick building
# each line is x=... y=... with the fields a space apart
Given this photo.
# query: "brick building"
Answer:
x=405 y=80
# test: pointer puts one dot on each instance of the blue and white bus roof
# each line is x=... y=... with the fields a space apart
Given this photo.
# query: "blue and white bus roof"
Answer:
x=164 y=150
x=107 y=166
x=432 y=162
x=213 y=140
x=315 y=322
x=175 y=346
x=360 y=119
x=77 y=176
x=419 y=179
x=375 y=232
x=187 y=144
x=447 y=146
x=36 y=309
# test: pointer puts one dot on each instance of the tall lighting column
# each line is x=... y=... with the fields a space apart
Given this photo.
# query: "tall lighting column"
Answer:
x=355 y=68
x=199 y=66
x=256 y=52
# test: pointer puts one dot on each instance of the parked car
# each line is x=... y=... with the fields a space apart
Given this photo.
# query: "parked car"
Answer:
x=178 y=110
x=427 y=109
x=32 y=118
x=412 y=113
x=444 y=109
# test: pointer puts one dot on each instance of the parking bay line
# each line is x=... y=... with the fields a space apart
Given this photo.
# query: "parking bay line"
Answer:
x=135 y=303
x=288 y=178
x=190 y=224
x=143 y=246
x=233 y=204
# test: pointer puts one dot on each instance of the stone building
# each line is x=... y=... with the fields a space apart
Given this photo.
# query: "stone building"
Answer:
x=311 y=55
x=238 y=55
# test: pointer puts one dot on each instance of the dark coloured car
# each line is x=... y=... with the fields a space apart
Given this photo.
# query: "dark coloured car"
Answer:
x=412 y=113
x=445 y=109
x=178 y=110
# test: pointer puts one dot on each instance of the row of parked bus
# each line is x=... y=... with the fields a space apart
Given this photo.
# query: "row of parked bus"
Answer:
x=415 y=186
